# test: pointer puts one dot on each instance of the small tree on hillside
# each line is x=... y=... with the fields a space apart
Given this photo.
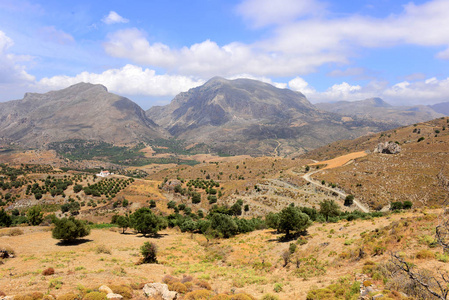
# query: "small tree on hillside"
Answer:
x=70 y=229
x=329 y=208
x=292 y=219
x=349 y=200
x=145 y=221
x=122 y=222
x=35 y=215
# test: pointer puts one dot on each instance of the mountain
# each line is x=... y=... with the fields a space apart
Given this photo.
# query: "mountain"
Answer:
x=246 y=116
x=82 y=111
x=376 y=108
x=442 y=108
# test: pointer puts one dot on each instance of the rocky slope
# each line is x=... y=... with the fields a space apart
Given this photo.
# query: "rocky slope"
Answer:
x=245 y=116
x=82 y=111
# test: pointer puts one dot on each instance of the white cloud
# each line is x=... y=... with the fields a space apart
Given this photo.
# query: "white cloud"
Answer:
x=266 y=12
x=428 y=91
x=129 y=80
x=300 y=85
x=114 y=18
x=208 y=59
x=10 y=69
x=443 y=54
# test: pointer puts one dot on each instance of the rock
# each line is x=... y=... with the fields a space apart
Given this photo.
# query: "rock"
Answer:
x=113 y=296
x=153 y=289
x=387 y=148
x=377 y=296
x=105 y=289
x=7 y=298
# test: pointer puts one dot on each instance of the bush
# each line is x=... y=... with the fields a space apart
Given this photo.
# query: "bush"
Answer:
x=125 y=291
x=95 y=296
x=70 y=229
x=396 y=205
x=349 y=200
x=102 y=249
x=5 y=219
x=224 y=225
x=35 y=215
x=48 y=271
x=149 y=252
x=199 y=295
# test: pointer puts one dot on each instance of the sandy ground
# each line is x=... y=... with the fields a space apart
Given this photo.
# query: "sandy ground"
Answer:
x=340 y=161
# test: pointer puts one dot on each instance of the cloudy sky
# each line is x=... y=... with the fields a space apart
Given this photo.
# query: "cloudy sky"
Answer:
x=151 y=50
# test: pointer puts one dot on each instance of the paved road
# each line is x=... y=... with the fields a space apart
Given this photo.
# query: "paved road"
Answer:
x=342 y=195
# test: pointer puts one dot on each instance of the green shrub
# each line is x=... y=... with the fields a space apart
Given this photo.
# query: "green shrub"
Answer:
x=149 y=252
x=70 y=229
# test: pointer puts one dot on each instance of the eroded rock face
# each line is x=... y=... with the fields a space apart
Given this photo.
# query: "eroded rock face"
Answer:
x=387 y=148
x=153 y=289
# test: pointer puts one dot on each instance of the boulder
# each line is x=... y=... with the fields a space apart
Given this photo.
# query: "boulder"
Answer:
x=113 y=296
x=105 y=289
x=387 y=148
x=154 y=289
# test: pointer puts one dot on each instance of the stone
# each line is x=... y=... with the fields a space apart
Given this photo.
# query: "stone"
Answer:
x=105 y=289
x=153 y=289
x=113 y=296
x=387 y=148
x=378 y=296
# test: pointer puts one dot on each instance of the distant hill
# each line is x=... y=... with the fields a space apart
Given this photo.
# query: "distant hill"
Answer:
x=82 y=111
x=442 y=108
x=379 y=179
x=246 y=116
x=376 y=108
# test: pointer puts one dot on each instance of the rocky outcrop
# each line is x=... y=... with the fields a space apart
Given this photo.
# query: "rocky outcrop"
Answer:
x=154 y=289
x=387 y=148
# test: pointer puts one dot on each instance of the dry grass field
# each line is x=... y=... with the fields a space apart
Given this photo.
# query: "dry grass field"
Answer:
x=250 y=263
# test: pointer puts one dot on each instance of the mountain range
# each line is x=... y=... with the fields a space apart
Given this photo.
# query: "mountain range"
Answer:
x=244 y=116
x=82 y=111
x=378 y=109
x=240 y=116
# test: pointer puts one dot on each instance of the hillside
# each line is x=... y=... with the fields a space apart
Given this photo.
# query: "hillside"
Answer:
x=376 y=108
x=245 y=116
x=379 y=179
x=83 y=111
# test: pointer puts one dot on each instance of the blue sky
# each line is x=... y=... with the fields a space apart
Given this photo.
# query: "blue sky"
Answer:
x=149 y=51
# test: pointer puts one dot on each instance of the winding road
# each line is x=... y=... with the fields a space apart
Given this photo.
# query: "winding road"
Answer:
x=340 y=193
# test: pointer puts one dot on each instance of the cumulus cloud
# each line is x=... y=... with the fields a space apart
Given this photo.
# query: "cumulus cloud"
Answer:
x=300 y=85
x=266 y=12
x=429 y=91
x=129 y=80
x=114 y=18
x=208 y=59
x=11 y=71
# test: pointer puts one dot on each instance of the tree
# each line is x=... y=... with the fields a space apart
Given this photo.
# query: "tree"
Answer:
x=77 y=188
x=149 y=252
x=69 y=229
x=196 y=198
x=349 y=200
x=396 y=205
x=35 y=215
x=292 y=219
x=272 y=220
x=145 y=221
x=122 y=222
x=329 y=208
x=224 y=225
x=5 y=219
